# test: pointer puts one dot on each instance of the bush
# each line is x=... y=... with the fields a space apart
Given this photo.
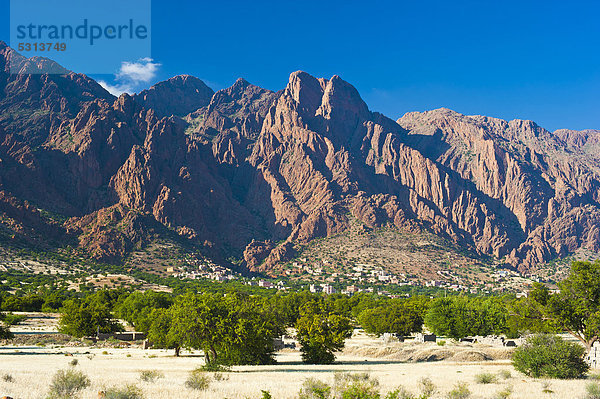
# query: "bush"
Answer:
x=314 y=389
x=198 y=380
x=67 y=384
x=7 y=378
x=545 y=355
x=5 y=333
x=355 y=386
x=592 y=391
x=400 y=393
x=504 y=393
x=460 y=391
x=74 y=362
x=127 y=392
x=485 y=378
x=11 y=319
x=427 y=388
x=150 y=375
x=505 y=374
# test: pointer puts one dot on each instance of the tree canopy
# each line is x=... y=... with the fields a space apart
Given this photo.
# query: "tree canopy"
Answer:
x=574 y=308
x=232 y=329
x=80 y=318
x=321 y=332
x=401 y=317
x=461 y=316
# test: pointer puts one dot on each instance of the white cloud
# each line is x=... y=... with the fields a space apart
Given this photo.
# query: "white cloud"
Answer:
x=118 y=89
x=131 y=75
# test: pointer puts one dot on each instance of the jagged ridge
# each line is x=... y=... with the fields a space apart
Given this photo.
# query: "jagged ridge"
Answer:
x=246 y=167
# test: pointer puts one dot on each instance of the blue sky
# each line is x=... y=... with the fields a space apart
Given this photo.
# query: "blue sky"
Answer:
x=536 y=60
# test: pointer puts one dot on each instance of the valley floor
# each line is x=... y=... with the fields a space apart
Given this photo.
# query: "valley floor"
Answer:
x=33 y=367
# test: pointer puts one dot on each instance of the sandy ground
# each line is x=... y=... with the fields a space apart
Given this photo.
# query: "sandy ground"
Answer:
x=393 y=364
x=33 y=367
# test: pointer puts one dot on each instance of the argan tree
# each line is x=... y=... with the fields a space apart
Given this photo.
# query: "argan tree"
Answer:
x=321 y=332
x=575 y=307
x=399 y=317
x=79 y=319
x=460 y=316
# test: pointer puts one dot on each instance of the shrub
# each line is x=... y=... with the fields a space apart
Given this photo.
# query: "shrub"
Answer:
x=314 y=389
x=198 y=380
x=485 y=378
x=355 y=386
x=127 y=392
x=441 y=342
x=460 y=391
x=11 y=319
x=400 y=393
x=504 y=374
x=5 y=333
x=427 y=388
x=74 y=362
x=150 y=375
x=592 y=391
x=7 y=378
x=67 y=383
x=504 y=393
x=545 y=355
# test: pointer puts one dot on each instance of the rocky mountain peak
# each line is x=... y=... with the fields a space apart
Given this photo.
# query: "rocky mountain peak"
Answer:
x=305 y=90
x=178 y=95
x=342 y=102
x=240 y=84
x=251 y=166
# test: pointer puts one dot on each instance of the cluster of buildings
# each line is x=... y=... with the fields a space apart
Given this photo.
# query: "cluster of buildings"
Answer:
x=329 y=279
x=203 y=269
x=360 y=273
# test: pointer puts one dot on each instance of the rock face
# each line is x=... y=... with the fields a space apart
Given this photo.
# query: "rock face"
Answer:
x=236 y=171
x=549 y=181
x=179 y=95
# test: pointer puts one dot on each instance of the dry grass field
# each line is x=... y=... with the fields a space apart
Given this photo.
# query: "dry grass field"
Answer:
x=32 y=369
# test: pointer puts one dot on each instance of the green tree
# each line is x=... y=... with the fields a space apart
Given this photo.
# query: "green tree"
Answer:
x=321 y=332
x=526 y=315
x=201 y=321
x=80 y=319
x=287 y=306
x=232 y=329
x=161 y=334
x=575 y=308
x=255 y=326
x=5 y=332
x=138 y=307
x=460 y=316
x=398 y=317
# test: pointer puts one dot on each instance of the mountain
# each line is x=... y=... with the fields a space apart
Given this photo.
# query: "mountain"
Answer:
x=257 y=175
x=179 y=95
